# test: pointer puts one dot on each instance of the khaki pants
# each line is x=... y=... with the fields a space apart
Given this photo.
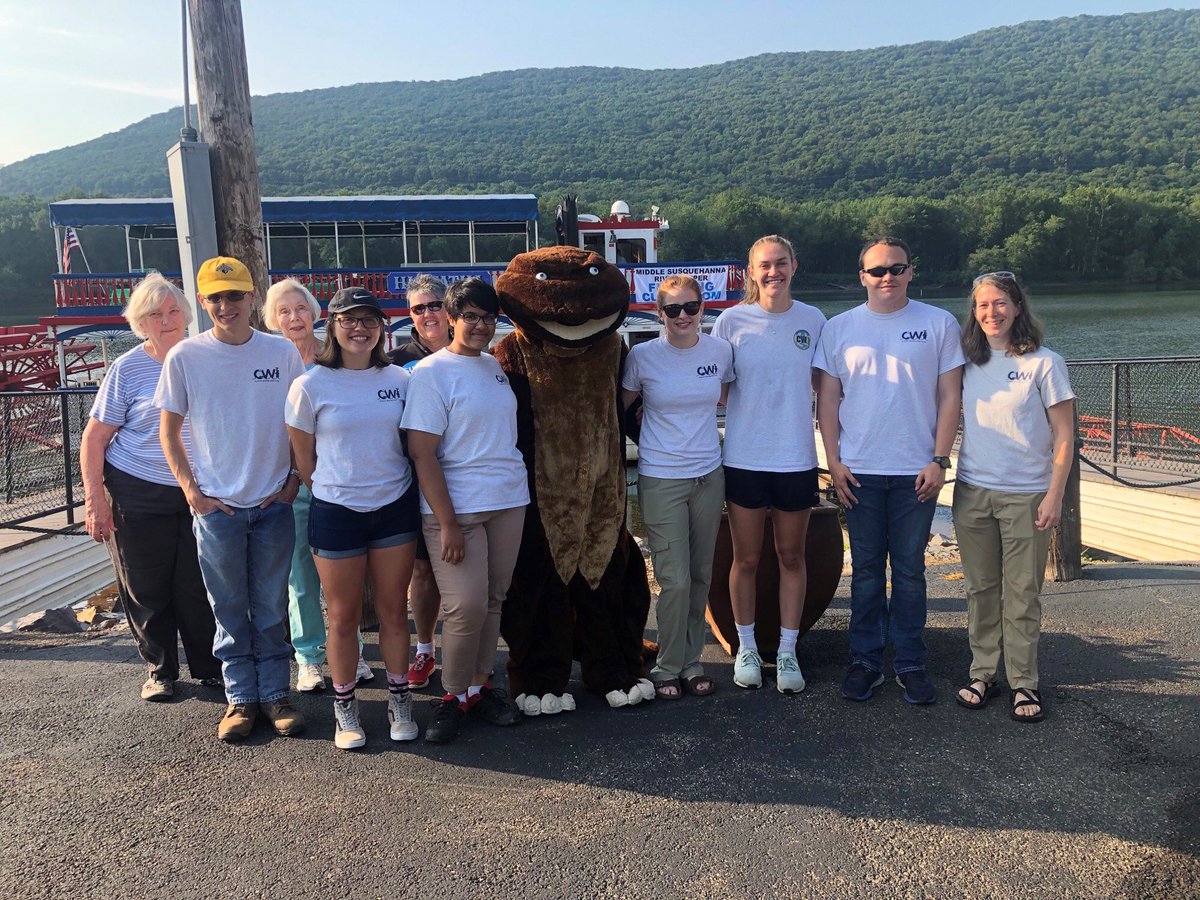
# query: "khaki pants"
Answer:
x=682 y=518
x=1004 y=563
x=473 y=591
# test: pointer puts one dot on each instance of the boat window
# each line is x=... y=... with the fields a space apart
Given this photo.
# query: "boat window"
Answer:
x=594 y=241
x=631 y=250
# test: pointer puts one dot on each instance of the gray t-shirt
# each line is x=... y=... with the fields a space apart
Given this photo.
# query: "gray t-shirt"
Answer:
x=354 y=416
x=889 y=364
x=234 y=395
x=1007 y=444
x=769 y=417
x=468 y=401
x=680 y=390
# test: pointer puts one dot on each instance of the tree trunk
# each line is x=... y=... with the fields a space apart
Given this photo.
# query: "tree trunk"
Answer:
x=1066 y=544
x=226 y=123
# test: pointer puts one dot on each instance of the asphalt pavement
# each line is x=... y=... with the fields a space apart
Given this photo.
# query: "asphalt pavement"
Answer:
x=741 y=794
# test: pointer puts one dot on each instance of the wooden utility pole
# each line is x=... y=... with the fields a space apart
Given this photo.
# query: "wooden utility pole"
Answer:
x=1065 y=562
x=227 y=125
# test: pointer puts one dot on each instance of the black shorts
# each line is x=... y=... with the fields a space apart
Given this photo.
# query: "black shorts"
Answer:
x=422 y=547
x=336 y=532
x=784 y=491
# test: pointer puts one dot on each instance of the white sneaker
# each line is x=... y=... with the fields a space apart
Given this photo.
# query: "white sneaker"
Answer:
x=309 y=678
x=747 y=669
x=348 y=733
x=364 y=673
x=400 y=716
x=156 y=689
x=788 y=678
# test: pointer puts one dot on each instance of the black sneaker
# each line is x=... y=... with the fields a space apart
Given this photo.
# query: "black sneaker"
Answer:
x=860 y=683
x=446 y=721
x=918 y=688
x=493 y=705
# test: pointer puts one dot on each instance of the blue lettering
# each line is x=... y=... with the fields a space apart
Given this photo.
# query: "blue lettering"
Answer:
x=914 y=335
x=1020 y=376
x=266 y=374
x=705 y=371
x=390 y=394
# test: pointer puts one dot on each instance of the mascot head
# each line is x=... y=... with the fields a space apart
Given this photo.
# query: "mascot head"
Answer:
x=563 y=296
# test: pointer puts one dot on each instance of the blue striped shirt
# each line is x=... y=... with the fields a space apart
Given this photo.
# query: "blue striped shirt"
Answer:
x=126 y=401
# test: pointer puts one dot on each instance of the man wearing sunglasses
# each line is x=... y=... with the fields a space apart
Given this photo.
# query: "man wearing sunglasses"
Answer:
x=231 y=382
x=888 y=407
x=430 y=333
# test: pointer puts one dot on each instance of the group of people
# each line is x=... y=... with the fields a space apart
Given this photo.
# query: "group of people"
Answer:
x=239 y=478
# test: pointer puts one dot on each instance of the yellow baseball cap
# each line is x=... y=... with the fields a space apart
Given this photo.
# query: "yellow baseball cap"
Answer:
x=223 y=273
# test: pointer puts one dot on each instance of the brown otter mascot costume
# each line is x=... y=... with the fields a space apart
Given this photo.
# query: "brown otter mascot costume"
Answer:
x=579 y=590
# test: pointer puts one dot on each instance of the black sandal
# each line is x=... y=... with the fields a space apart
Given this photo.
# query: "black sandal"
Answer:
x=668 y=689
x=984 y=695
x=1032 y=698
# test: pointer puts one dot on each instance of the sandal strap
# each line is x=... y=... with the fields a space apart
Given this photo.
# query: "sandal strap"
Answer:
x=1032 y=698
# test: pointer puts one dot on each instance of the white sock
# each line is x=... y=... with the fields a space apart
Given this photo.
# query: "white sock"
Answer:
x=462 y=698
x=787 y=639
x=746 y=639
x=425 y=648
x=474 y=689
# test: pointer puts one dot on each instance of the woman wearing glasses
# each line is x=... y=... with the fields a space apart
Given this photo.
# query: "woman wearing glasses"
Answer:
x=461 y=421
x=430 y=333
x=770 y=453
x=343 y=418
x=681 y=486
x=1012 y=471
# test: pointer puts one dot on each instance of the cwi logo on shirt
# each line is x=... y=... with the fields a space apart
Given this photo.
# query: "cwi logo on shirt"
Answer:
x=1020 y=376
x=919 y=336
x=390 y=394
x=266 y=374
x=708 y=371
x=802 y=339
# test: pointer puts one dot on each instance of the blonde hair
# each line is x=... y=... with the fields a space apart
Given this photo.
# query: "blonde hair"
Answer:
x=751 y=295
x=277 y=290
x=675 y=283
x=148 y=297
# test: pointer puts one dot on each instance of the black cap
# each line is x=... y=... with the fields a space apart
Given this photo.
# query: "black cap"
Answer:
x=351 y=298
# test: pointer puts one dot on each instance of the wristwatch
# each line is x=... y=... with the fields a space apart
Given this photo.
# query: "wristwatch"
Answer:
x=943 y=461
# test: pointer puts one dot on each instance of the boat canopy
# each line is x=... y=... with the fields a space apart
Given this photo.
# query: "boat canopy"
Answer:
x=318 y=216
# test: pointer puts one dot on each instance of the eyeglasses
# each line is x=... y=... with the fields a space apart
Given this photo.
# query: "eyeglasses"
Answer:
x=1008 y=275
x=421 y=308
x=368 y=322
x=229 y=296
x=895 y=269
x=672 y=310
x=475 y=318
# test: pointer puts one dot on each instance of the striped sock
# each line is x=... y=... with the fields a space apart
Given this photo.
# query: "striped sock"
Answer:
x=397 y=684
x=343 y=691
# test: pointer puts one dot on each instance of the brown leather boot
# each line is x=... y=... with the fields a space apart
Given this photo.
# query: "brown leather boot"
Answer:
x=238 y=721
x=285 y=717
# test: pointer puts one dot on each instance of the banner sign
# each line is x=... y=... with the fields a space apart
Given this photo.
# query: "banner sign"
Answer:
x=398 y=281
x=713 y=281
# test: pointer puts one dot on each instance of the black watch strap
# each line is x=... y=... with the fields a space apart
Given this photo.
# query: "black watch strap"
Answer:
x=943 y=461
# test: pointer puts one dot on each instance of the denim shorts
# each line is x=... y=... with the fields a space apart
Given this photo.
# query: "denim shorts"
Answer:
x=784 y=491
x=336 y=532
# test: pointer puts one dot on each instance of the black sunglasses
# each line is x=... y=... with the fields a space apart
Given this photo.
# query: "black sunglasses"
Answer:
x=880 y=271
x=672 y=310
x=432 y=306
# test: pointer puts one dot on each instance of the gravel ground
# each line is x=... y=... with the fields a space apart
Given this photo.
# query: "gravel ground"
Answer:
x=744 y=794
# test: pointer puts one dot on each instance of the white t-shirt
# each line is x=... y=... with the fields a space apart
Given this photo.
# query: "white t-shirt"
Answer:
x=355 y=417
x=889 y=365
x=468 y=401
x=680 y=390
x=769 y=417
x=234 y=395
x=126 y=400
x=1007 y=444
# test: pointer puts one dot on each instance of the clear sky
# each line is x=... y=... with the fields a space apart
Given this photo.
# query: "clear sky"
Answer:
x=72 y=70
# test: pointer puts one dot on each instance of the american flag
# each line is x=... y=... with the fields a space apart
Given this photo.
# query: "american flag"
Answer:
x=70 y=242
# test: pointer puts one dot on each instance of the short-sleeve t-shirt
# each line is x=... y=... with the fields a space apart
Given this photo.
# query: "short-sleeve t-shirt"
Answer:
x=769 y=413
x=1007 y=444
x=680 y=390
x=235 y=396
x=889 y=364
x=354 y=416
x=469 y=402
x=126 y=401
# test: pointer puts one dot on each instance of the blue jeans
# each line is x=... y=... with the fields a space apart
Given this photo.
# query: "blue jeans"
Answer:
x=888 y=522
x=245 y=560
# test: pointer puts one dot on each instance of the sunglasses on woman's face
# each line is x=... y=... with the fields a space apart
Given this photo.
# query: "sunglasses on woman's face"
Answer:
x=672 y=310
x=896 y=270
x=431 y=306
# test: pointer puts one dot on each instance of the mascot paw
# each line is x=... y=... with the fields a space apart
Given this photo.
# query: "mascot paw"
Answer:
x=644 y=688
x=634 y=695
x=529 y=704
x=550 y=705
x=617 y=699
x=567 y=702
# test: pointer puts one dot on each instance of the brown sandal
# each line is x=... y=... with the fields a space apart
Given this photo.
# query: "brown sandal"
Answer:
x=667 y=689
x=699 y=685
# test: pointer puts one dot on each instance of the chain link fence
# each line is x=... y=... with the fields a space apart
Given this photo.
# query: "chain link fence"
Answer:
x=1141 y=413
x=40 y=433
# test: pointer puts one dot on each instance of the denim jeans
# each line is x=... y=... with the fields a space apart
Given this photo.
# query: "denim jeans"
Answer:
x=888 y=522
x=245 y=558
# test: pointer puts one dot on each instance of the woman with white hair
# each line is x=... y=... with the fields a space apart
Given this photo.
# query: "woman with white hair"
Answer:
x=135 y=505
x=292 y=310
